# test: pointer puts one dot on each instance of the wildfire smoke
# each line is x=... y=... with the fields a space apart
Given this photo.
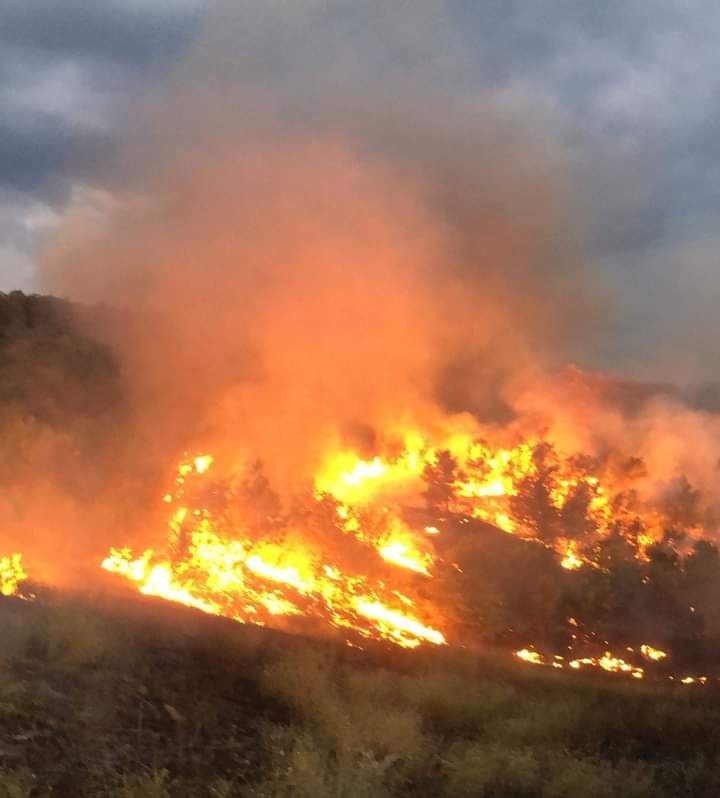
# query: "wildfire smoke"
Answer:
x=361 y=285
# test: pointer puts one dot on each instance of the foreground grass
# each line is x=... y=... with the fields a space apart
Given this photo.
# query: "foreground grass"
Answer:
x=148 y=700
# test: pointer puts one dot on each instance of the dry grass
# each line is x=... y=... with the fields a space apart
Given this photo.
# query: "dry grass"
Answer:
x=16 y=783
x=159 y=702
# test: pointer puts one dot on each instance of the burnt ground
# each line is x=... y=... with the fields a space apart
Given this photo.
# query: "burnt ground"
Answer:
x=119 y=696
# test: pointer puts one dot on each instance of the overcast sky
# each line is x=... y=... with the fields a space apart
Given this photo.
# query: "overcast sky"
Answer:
x=630 y=90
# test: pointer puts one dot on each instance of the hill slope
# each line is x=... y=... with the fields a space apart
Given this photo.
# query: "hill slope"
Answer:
x=128 y=697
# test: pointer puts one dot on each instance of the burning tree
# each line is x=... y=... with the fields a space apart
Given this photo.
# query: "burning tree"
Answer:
x=532 y=504
x=12 y=574
x=441 y=478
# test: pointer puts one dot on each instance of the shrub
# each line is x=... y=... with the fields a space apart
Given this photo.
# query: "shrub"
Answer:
x=476 y=770
x=16 y=783
x=68 y=635
x=594 y=778
x=303 y=680
x=453 y=706
x=151 y=784
x=539 y=722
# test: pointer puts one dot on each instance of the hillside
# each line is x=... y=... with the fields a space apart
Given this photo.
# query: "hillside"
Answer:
x=112 y=694
x=119 y=696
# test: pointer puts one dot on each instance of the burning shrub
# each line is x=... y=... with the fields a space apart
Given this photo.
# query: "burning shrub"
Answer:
x=422 y=533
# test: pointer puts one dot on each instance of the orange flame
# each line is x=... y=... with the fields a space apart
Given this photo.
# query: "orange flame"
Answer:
x=12 y=574
x=215 y=566
x=256 y=581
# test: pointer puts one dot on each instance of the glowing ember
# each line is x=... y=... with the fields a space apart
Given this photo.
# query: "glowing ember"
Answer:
x=202 y=463
x=12 y=574
x=652 y=654
x=693 y=680
x=607 y=662
x=528 y=655
x=570 y=560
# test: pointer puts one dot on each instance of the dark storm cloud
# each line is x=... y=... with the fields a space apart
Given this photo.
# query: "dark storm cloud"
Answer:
x=633 y=84
x=633 y=91
x=42 y=156
x=91 y=58
x=627 y=90
x=134 y=34
x=68 y=73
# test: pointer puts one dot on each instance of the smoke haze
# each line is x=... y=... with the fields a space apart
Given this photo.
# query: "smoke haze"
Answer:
x=316 y=235
x=318 y=241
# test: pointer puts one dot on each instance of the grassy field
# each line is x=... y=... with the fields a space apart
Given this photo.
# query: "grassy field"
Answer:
x=122 y=697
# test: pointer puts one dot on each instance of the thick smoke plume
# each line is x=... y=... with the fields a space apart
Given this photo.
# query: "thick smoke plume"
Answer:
x=320 y=235
x=320 y=231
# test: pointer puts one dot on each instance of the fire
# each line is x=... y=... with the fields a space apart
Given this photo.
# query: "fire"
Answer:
x=257 y=581
x=486 y=483
x=399 y=548
x=570 y=560
x=529 y=655
x=693 y=680
x=12 y=574
x=608 y=662
x=403 y=629
x=202 y=463
x=352 y=480
x=652 y=654
x=363 y=554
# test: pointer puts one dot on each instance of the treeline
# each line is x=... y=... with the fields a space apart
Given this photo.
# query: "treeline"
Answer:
x=64 y=416
x=61 y=396
x=512 y=589
x=51 y=372
x=66 y=441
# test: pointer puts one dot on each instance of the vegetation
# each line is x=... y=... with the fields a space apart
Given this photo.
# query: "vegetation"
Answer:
x=68 y=449
x=128 y=697
x=50 y=372
x=515 y=591
x=61 y=398
x=65 y=421
x=119 y=696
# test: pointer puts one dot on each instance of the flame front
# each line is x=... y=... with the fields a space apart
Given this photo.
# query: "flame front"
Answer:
x=607 y=661
x=258 y=581
x=356 y=558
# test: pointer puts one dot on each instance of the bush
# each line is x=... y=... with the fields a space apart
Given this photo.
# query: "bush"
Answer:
x=350 y=730
x=541 y=723
x=152 y=784
x=476 y=770
x=16 y=783
x=76 y=637
x=571 y=777
x=300 y=769
x=452 y=705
